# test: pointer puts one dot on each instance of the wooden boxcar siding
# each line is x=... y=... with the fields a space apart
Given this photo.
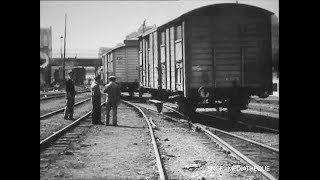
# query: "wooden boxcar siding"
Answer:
x=163 y=65
x=220 y=51
x=132 y=64
x=144 y=62
x=184 y=57
x=172 y=59
x=155 y=61
x=123 y=63
x=168 y=69
x=120 y=65
x=239 y=48
x=141 y=69
x=150 y=58
x=200 y=52
x=105 y=68
x=110 y=65
x=147 y=62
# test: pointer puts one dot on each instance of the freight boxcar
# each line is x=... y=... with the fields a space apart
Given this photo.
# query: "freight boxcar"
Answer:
x=214 y=56
x=79 y=75
x=122 y=62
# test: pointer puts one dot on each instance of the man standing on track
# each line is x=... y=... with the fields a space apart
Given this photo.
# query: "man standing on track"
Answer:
x=113 y=98
x=70 y=96
x=96 y=100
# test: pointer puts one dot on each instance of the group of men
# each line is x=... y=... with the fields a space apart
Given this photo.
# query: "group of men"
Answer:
x=112 y=90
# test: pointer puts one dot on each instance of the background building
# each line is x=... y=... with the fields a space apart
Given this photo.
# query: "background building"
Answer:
x=45 y=55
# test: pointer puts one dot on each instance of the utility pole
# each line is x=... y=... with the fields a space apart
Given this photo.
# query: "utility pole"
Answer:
x=61 y=57
x=64 y=48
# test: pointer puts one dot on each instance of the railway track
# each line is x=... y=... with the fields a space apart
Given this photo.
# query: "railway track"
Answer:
x=253 y=153
x=62 y=109
x=248 y=126
x=63 y=143
x=256 y=155
x=151 y=125
x=259 y=157
x=46 y=97
x=61 y=139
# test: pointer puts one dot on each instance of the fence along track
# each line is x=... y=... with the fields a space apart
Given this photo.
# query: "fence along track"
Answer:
x=155 y=147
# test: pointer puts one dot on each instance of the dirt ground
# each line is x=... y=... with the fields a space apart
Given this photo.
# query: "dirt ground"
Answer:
x=109 y=152
x=192 y=155
x=54 y=123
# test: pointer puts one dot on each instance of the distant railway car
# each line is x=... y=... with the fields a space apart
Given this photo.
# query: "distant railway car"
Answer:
x=45 y=67
x=122 y=62
x=214 y=56
x=79 y=75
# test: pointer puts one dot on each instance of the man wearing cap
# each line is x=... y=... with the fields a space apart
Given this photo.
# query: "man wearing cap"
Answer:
x=113 y=98
x=96 y=100
x=70 y=96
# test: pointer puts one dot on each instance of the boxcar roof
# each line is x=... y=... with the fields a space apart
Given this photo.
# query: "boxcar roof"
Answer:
x=205 y=8
x=116 y=48
x=148 y=32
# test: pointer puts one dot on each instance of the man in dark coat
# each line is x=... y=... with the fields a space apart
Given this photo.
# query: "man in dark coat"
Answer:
x=96 y=100
x=70 y=96
x=113 y=98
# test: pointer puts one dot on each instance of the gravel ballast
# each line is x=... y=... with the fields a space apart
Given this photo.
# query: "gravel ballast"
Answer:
x=109 y=152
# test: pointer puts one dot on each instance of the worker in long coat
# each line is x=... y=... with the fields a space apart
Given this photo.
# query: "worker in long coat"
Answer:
x=70 y=97
x=112 y=99
x=96 y=100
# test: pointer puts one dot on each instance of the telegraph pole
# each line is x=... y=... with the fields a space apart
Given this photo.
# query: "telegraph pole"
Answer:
x=64 y=48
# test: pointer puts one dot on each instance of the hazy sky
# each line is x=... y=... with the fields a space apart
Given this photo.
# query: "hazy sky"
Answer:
x=93 y=24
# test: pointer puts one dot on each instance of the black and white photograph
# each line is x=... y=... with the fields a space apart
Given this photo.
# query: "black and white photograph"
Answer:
x=159 y=89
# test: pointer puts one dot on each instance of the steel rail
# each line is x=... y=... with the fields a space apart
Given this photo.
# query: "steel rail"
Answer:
x=243 y=138
x=155 y=147
x=60 y=95
x=170 y=108
x=49 y=140
x=62 y=109
x=240 y=122
x=222 y=144
x=229 y=147
x=234 y=151
x=230 y=134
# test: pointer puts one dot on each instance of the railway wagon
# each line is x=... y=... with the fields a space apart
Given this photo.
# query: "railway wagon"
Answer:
x=79 y=75
x=122 y=62
x=214 y=56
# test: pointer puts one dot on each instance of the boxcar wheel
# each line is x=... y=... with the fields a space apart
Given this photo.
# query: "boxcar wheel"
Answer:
x=140 y=94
